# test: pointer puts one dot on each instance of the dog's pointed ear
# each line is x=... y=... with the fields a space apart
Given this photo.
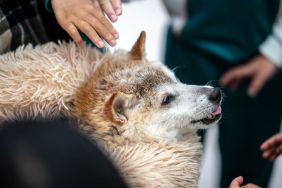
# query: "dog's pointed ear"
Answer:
x=117 y=106
x=138 y=50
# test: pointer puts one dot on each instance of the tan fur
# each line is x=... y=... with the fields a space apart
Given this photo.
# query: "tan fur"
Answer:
x=99 y=91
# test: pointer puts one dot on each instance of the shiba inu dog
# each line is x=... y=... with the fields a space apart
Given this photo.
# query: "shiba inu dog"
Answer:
x=137 y=111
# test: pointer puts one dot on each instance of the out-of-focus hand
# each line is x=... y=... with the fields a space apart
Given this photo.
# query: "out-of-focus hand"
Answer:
x=259 y=70
x=112 y=8
x=85 y=16
x=272 y=147
x=237 y=183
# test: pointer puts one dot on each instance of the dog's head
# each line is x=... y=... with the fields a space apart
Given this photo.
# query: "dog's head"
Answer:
x=134 y=98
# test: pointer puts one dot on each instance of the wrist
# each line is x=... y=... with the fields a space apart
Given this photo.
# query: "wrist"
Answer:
x=271 y=49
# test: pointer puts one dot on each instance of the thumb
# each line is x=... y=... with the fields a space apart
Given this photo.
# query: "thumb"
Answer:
x=237 y=73
x=236 y=182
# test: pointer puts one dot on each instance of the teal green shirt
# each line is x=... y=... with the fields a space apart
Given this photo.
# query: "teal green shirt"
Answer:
x=231 y=30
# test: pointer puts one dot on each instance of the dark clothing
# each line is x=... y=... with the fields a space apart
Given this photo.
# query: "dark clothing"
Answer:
x=218 y=36
x=52 y=154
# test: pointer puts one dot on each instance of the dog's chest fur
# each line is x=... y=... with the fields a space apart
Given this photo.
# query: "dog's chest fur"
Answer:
x=159 y=165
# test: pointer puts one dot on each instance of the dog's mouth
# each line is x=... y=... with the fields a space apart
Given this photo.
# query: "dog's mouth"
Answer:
x=210 y=119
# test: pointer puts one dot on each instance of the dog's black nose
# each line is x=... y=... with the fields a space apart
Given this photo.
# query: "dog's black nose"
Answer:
x=215 y=95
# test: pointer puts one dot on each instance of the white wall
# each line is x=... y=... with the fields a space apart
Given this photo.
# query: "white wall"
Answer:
x=149 y=15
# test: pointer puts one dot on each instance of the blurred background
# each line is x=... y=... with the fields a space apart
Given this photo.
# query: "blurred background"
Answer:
x=151 y=17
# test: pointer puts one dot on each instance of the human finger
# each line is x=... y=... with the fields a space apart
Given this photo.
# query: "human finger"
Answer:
x=87 y=29
x=101 y=17
x=73 y=32
x=272 y=141
x=107 y=7
x=272 y=153
x=236 y=182
x=257 y=83
x=101 y=29
x=235 y=74
x=117 y=7
x=268 y=153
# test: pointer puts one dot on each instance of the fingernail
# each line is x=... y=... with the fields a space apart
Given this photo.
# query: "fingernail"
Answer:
x=116 y=36
x=113 y=42
x=113 y=18
x=101 y=44
x=118 y=11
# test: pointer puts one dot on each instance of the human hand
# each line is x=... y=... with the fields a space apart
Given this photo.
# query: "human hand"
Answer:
x=85 y=16
x=272 y=147
x=259 y=70
x=236 y=183
x=112 y=8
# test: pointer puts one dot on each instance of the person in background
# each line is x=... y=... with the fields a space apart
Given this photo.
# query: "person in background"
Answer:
x=238 y=44
x=271 y=149
x=41 y=21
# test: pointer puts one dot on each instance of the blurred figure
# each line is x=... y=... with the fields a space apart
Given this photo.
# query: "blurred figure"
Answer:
x=271 y=149
x=52 y=154
x=236 y=44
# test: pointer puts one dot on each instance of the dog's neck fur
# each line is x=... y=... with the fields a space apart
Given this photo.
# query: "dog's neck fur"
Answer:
x=131 y=154
x=158 y=164
x=117 y=137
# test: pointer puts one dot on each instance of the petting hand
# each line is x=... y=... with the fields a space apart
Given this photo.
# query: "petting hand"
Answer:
x=259 y=70
x=236 y=183
x=112 y=8
x=272 y=147
x=85 y=16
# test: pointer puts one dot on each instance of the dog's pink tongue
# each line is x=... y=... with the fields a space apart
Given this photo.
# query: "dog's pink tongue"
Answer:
x=217 y=111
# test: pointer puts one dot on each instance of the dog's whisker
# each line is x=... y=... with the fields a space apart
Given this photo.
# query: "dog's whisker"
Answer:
x=212 y=83
x=178 y=67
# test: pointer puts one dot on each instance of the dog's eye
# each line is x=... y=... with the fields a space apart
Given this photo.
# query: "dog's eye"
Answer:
x=167 y=100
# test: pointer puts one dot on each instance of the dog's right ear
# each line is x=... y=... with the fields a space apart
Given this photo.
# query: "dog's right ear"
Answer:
x=138 y=50
x=117 y=106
